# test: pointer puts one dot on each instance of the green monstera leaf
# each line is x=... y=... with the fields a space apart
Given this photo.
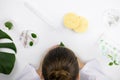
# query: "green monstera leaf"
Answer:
x=7 y=60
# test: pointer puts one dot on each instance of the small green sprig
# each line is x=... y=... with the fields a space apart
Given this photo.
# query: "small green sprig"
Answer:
x=61 y=44
x=113 y=61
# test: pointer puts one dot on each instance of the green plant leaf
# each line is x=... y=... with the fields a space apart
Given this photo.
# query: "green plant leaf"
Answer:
x=7 y=60
x=115 y=62
x=8 y=45
x=31 y=43
x=4 y=35
x=111 y=57
x=9 y=25
x=61 y=44
x=33 y=35
x=111 y=63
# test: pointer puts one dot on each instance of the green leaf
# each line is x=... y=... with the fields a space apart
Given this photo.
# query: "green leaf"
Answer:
x=33 y=35
x=8 y=24
x=111 y=63
x=111 y=57
x=7 y=61
x=8 y=45
x=4 y=35
x=115 y=62
x=61 y=44
x=31 y=43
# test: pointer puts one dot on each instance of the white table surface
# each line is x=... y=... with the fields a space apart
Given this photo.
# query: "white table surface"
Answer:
x=83 y=44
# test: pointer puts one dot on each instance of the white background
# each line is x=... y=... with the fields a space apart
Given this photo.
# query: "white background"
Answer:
x=83 y=44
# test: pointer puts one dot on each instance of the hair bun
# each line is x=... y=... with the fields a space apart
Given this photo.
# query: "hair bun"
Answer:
x=59 y=75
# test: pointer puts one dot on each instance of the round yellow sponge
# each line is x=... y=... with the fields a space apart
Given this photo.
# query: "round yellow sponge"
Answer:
x=75 y=22
x=71 y=20
x=83 y=26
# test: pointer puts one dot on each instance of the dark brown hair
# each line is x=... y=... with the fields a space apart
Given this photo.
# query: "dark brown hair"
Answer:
x=60 y=63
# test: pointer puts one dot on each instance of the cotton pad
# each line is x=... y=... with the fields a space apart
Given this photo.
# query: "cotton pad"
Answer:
x=28 y=38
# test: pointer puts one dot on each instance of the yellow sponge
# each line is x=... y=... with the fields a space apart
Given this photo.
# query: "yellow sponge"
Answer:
x=75 y=22
x=71 y=20
x=83 y=26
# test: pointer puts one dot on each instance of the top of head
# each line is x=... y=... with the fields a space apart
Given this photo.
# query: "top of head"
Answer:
x=60 y=63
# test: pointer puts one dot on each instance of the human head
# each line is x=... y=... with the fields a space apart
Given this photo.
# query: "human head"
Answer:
x=60 y=63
